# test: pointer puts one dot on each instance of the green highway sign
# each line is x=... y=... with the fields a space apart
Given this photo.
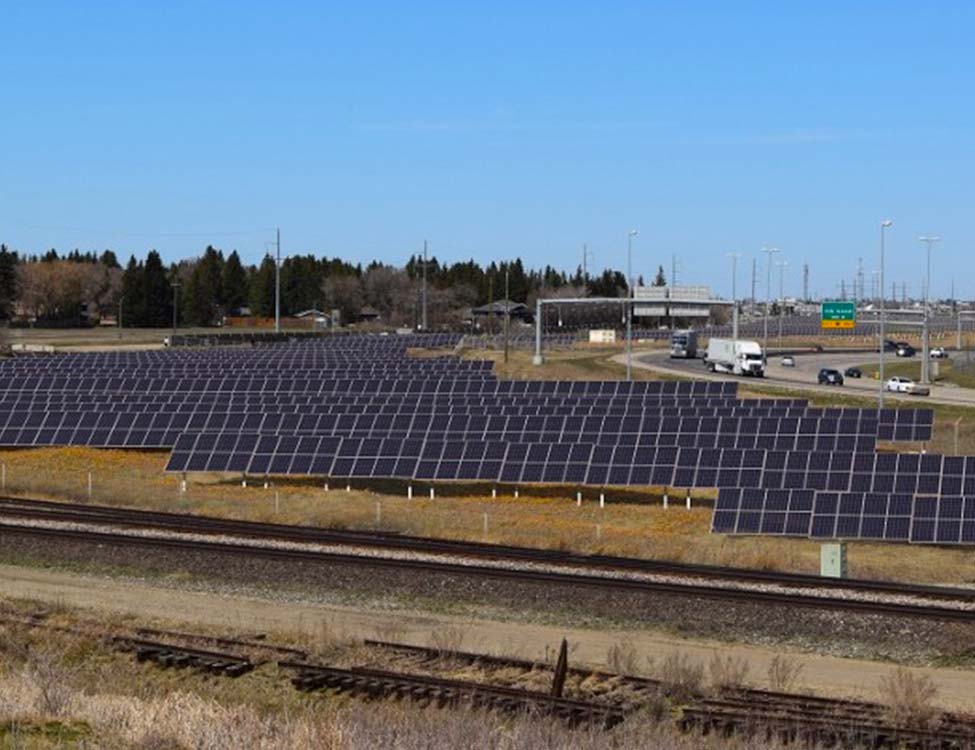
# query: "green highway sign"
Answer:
x=838 y=315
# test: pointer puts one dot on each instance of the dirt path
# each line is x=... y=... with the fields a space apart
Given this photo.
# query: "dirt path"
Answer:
x=823 y=674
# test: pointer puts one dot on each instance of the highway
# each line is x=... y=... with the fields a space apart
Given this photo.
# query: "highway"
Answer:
x=803 y=375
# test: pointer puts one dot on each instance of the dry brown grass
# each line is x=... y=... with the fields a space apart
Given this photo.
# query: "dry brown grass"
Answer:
x=623 y=658
x=783 y=673
x=910 y=699
x=727 y=672
x=108 y=700
x=682 y=676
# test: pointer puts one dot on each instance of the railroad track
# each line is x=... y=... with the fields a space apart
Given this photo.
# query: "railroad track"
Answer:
x=245 y=537
x=126 y=517
x=82 y=513
x=444 y=692
x=785 y=717
x=605 y=701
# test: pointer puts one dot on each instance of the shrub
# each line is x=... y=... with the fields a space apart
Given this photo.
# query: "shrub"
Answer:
x=783 y=673
x=910 y=699
x=681 y=676
x=727 y=672
x=622 y=657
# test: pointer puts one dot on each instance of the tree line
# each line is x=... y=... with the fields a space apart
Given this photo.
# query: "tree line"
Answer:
x=79 y=288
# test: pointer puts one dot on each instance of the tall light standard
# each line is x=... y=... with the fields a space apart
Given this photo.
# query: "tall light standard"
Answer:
x=629 y=307
x=926 y=336
x=782 y=266
x=886 y=224
x=768 y=293
x=734 y=295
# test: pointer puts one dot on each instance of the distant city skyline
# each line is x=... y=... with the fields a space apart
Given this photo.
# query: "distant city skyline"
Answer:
x=499 y=131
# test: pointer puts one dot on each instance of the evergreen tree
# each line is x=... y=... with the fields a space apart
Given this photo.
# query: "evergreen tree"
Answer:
x=301 y=284
x=157 y=293
x=133 y=294
x=262 y=289
x=660 y=279
x=109 y=260
x=234 y=284
x=203 y=295
x=8 y=281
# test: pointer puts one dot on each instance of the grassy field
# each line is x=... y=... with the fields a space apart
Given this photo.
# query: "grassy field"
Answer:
x=60 y=691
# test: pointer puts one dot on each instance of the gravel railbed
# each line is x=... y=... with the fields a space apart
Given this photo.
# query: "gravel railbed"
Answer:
x=366 y=551
x=849 y=634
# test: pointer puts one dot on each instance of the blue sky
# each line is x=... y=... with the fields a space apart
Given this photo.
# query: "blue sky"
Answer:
x=497 y=129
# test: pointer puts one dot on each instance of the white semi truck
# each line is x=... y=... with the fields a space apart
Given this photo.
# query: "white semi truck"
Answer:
x=736 y=356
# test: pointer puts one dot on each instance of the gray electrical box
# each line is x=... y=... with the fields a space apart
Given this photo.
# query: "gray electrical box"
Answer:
x=832 y=560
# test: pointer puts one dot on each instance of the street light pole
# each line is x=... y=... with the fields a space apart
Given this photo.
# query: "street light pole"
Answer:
x=781 y=266
x=629 y=307
x=926 y=336
x=886 y=224
x=734 y=295
x=768 y=294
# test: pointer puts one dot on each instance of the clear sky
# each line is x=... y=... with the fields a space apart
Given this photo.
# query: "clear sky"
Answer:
x=496 y=129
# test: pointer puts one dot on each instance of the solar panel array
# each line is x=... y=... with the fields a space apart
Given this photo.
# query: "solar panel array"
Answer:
x=361 y=407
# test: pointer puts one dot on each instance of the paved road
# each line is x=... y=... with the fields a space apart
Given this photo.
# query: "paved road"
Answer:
x=803 y=375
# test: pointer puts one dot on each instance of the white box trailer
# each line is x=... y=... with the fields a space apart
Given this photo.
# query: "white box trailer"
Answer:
x=736 y=356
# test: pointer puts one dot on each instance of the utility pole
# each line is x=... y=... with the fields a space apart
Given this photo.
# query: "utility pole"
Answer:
x=673 y=270
x=277 y=283
x=175 y=305
x=491 y=304
x=629 y=303
x=507 y=313
x=768 y=294
x=120 y=301
x=880 y=395
x=781 y=266
x=805 y=282
x=859 y=293
x=754 y=278
x=926 y=338
x=734 y=295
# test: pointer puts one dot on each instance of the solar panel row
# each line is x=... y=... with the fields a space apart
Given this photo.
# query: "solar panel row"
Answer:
x=517 y=461
x=898 y=516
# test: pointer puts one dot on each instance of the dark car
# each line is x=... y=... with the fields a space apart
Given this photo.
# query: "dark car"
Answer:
x=890 y=346
x=853 y=372
x=829 y=376
x=905 y=350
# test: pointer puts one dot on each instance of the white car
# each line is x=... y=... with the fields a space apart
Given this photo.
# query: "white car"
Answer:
x=939 y=352
x=788 y=361
x=899 y=384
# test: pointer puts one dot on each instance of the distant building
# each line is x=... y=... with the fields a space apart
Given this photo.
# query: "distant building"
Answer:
x=678 y=302
x=503 y=307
